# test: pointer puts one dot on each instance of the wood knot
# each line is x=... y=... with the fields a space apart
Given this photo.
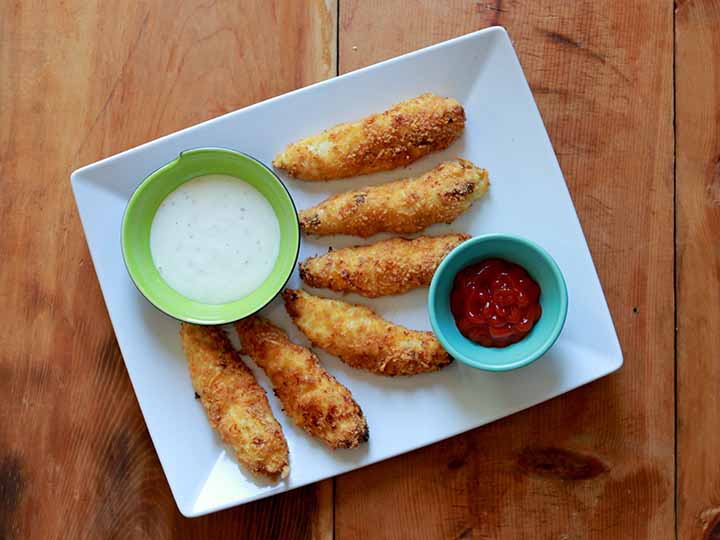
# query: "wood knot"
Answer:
x=713 y=533
x=559 y=463
x=710 y=521
x=456 y=463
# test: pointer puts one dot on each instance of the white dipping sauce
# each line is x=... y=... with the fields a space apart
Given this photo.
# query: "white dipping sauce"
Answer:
x=215 y=239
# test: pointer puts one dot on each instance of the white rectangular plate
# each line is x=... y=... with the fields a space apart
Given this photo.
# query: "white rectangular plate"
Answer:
x=528 y=196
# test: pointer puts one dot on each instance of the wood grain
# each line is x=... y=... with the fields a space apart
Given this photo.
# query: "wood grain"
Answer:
x=598 y=462
x=697 y=121
x=80 y=81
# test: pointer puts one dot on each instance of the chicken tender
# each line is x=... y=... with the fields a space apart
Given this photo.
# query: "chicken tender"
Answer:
x=236 y=405
x=312 y=397
x=404 y=133
x=404 y=206
x=362 y=339
x=387 y=267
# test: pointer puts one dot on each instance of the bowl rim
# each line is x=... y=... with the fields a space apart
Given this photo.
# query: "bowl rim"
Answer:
x=553 y=334
x=150 y=177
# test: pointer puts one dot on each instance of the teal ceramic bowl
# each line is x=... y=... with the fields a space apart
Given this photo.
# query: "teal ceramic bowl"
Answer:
x=144 y=204
x=553 y=300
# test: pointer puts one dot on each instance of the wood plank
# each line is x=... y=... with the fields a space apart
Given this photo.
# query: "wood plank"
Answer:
x=598 y=462
x=80 y=81
x=697 y=76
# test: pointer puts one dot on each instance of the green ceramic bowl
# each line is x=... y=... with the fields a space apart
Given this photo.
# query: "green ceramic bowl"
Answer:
x=553 y=300
x=144 y=204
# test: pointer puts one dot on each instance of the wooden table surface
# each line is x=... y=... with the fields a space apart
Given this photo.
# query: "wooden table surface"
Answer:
x=630 y=94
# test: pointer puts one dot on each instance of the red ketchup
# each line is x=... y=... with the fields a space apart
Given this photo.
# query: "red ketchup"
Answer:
x=495 y=302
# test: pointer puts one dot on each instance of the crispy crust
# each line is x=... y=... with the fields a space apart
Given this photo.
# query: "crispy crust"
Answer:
x=387 y=267
x=404 y=133
x=404 y=206
x=362 y=339
x=236 y=405
x=312 y=397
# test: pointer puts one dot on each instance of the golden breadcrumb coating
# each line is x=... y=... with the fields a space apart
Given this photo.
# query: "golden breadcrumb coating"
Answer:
x=387 y=267
x=236 y=405
x=312 y=397
x=404 y=206
x=404 y=133
x=362 y=339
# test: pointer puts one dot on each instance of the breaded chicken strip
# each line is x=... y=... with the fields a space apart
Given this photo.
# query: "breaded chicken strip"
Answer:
x=404 y=133
x=403 y=206
x=236 y=405
x=312 y=397
x=387 y=267
x=362 y=339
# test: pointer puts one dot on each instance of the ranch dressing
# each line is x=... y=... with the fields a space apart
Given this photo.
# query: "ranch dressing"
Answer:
x=215 y=239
